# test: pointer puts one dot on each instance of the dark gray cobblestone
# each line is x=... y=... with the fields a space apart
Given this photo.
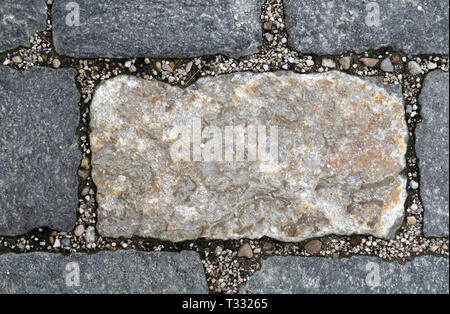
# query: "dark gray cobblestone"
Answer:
x=433 y=153
x=178 y=28
x=39 y=155
x=334 y=27
x=19 y=20
x=427 y=274
x=105 y=272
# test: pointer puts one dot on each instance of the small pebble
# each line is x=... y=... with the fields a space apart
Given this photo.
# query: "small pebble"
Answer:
x=370 y=62
x=345 y=62
x=414 y=68
x=189 y=66
x=79 y=230
x=269 y=37
x=434 y=248
x=386 y=65
x=17 y=59
x=56 y=63
x=309 y=62
x=167 y=67
x=431 y=66
x=328 y=63
x=218 y=250
x=85 y=163
x=267 y=26
x=414 y=185
x=313 y=247
x=65 y=243
x=57 y=244
x=90 y=234
x=245 y=251
x=411 y=220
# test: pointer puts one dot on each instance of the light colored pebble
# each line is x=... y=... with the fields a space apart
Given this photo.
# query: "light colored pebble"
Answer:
x=370 y=62
x=414 y=68
x=79 y=230
x=245 y=251
x=386 y=65
x=90 y=234
x=328 y=63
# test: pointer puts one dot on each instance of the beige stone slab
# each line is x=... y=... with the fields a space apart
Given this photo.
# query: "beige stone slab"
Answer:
x=341 y=144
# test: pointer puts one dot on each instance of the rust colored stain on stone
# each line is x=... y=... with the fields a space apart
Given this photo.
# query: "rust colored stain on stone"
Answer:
x=341 y=147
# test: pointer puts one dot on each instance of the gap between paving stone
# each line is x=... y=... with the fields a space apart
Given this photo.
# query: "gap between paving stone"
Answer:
x=67 y=63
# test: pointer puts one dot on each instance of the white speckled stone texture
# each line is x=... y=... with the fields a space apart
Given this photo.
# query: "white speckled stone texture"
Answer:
x=342 y=142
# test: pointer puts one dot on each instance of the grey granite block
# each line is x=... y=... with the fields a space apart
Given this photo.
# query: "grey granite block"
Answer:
x=19 y=20
x=105 y=272
x=338 y=26
x=156 y=28
x=433 y=152
x=39 y=154
x=428 y=274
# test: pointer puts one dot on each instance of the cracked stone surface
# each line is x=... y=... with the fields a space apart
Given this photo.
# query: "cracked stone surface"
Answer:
x=106 y=272
x=433 y=153
x=155 y=28
x=334 y=27
x=39 y=154
x=297 y=275
x=341 y=142
x=19 y=20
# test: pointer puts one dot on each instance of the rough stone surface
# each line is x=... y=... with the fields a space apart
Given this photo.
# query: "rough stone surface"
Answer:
x=19 y=20
x=155 y=28
x=341 y=143
x=39 y=154
x=433 y=153
x=297 y=275
x=105 y=272
x=336 y=26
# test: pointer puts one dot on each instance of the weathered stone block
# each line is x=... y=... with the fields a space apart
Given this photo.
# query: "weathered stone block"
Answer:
x=157 y=28
x=166 y=166
x=19 y=20
x=104 y=272
x=432 y=151
x=362 y=275
x=338 y=26
x=39 y=153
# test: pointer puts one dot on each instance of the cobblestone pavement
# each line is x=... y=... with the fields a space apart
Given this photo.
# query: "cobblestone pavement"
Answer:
x=115 y=176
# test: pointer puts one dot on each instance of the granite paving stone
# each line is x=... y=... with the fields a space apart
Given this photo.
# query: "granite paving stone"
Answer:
x=300 y=275
x=123 y=272
x=39 y=154
x=157 y=28
x=432 y=149
x=335 y=27
x=19 y=20
x=179 y=164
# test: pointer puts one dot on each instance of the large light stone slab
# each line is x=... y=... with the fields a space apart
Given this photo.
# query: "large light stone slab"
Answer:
x=157 y=28
x=39 y=154
x=19 y=20
x=337 y=26
x=432 y=151
x=341 y=146
x=356 y=275
x=121 y=272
